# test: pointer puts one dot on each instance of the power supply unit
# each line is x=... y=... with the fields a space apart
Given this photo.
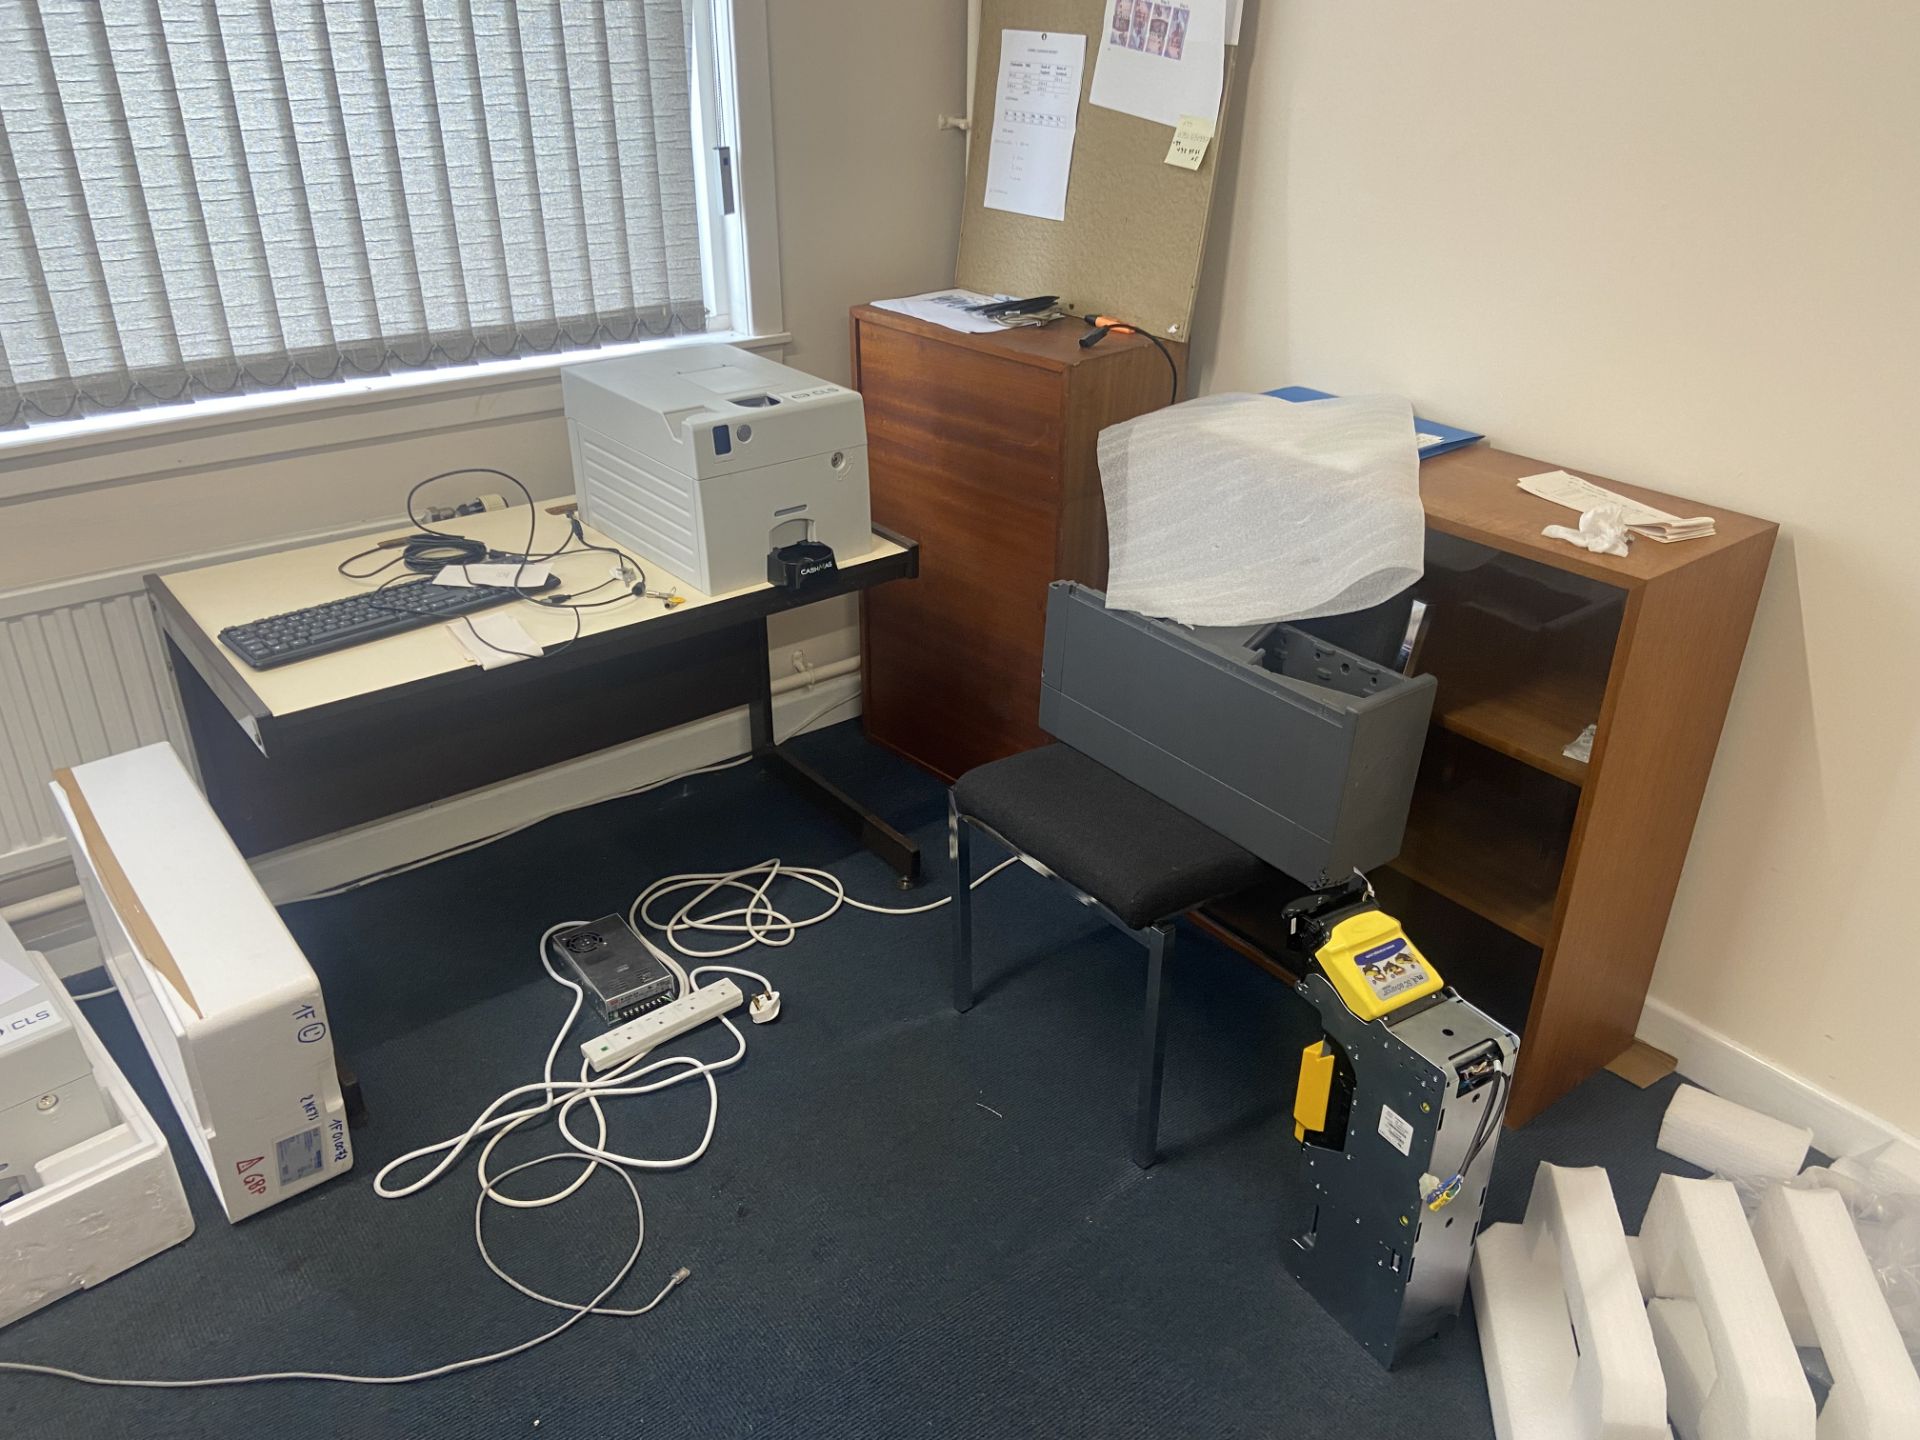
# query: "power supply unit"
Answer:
x=620 y=972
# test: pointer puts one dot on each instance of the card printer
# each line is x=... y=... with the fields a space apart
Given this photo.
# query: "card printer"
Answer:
x=716 y=464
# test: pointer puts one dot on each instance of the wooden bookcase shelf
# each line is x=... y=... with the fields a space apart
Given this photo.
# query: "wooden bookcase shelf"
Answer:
x=1532 y=720
x=1483 y=870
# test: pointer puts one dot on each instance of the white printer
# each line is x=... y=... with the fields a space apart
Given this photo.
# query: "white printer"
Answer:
x=706 y=459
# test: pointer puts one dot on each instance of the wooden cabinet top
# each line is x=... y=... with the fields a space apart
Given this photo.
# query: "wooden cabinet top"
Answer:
x=1053 y=347
x=1474 y=494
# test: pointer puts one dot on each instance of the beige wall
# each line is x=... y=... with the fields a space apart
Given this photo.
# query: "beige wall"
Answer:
x=869 y=188
x=1673 y=244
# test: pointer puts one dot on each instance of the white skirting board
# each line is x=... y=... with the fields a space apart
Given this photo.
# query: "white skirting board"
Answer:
x=1732 y=1071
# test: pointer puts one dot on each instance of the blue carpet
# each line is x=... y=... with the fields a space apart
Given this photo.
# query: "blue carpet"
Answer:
x=910 y=1221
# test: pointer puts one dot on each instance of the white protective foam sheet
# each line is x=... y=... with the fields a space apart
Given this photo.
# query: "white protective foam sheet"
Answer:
x=1239 y=509
x=1731 y=1140
x=1564 y=1337
x=1830 y=1298
x=1730 y=1365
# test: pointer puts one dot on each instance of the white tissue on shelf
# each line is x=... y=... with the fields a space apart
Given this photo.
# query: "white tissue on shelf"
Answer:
x=1603 y=530
x=1240 y=509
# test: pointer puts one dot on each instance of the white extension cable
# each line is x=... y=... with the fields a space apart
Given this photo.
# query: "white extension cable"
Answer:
x=757 y=919
x=760 y=923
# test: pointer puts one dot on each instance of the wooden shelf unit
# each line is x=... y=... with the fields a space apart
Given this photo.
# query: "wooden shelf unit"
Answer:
x=1573 y=866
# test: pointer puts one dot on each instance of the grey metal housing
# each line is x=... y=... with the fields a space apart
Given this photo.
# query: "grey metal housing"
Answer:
x=1297 y=750
x=1357 y=1236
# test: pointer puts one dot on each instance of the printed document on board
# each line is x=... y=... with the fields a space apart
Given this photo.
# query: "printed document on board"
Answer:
x=1162 y=59
x=1035 y=113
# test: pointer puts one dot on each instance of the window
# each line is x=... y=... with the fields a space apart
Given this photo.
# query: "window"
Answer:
x=212 y=197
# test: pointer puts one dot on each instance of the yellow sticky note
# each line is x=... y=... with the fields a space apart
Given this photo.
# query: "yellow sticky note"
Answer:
x=1190 y=139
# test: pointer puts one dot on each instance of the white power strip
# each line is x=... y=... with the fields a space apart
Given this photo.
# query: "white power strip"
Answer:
x=656 y=1027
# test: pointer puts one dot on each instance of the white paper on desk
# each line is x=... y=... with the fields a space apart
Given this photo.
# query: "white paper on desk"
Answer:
x=1036 y=111
x=1161 y=59
x=1583 y=495
x=948 y=308
x=526 y=576
x=493 y=638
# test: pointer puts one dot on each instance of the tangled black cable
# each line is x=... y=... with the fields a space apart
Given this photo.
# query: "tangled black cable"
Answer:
x=422 y=555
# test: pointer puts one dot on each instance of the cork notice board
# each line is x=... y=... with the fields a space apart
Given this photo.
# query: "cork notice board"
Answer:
x=1136 y=226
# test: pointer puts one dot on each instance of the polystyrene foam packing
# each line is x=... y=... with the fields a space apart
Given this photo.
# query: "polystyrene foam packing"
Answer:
x=1238 y=509
x=101 y=1206
x=1881 y=1186
x=1831 y=1299
x=1730 y=1139
x=1699 y=1254
x=1564 y=1337
x=1686 y=1360
x=1637 y=1253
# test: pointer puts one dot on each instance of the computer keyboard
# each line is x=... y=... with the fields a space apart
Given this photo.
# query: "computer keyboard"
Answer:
x=336 y=624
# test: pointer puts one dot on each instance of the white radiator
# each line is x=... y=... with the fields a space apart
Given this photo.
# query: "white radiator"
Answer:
x=82 y=675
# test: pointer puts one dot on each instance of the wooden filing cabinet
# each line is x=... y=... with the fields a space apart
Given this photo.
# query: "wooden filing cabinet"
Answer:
x=983 y=448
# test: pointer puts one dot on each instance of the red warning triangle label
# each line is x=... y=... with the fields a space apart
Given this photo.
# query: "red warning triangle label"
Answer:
x=246 y=1165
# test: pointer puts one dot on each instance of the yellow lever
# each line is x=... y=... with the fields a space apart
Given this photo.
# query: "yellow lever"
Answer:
x=1316 y=1086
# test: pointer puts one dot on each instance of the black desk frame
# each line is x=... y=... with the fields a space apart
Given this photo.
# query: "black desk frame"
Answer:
x=277 y=781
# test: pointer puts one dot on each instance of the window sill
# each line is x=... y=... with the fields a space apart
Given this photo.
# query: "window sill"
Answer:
x=21 y=450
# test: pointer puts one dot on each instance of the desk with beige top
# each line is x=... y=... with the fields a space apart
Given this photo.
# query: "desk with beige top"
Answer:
x=312 y=748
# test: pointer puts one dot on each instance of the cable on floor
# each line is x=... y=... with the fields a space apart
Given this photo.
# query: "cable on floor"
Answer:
x=758 y=919
x=556 y=1095
x=760 y=923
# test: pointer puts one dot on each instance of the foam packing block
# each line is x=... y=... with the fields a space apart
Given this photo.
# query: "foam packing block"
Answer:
x=99 y=1207
x=1730 y=1365
x=1564 y=1337
x=1831 y=1298
x=1730 y=1139
x=1686 y=1358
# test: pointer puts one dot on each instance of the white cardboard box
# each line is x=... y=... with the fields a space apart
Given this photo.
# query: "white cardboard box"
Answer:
x=226 y=1003
x=98 y=1207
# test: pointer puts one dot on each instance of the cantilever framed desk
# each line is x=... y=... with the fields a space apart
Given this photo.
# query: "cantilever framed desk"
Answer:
x=309 y=749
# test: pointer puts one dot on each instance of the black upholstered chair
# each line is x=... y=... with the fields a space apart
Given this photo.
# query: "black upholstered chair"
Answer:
x=1131 y=857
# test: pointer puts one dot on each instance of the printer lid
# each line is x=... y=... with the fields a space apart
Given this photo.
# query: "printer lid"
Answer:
x=668 y=402
x=695 y=377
